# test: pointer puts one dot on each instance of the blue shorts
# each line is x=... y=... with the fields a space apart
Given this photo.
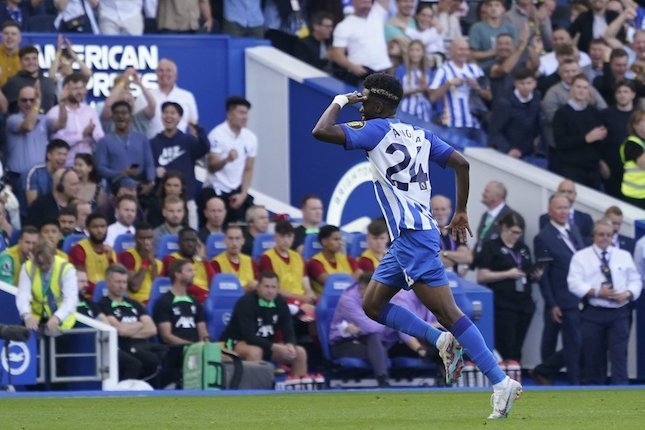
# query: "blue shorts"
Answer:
x=412 y=257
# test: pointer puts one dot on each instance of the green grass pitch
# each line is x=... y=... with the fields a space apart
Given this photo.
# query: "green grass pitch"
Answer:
x=393 y=410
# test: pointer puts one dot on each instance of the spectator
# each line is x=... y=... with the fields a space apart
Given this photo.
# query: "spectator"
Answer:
x=615 y=119
x=168 y=91
x=257 y=219
x=494 y=198
x=47 y=291
x=548 y=61
x=28 y=132
x=557 y=97
x=50 y=232
x=39 y=178
x=30 y=75
x=117 y=17
x=593 y=23
x=598 y=53
x=510 y=59
x=6 y=228
x=354 y=334
x=68 y=220
x=578 y=131
x=396 y=27
x=525 y=12
x=377 y=242
x=257 y=318
x=91 y=255
x=455 y=254
x=76 y=16
x=448 y=18
x=126 y=214
x=138 y=357
x=12 y=259
x=631 y=153
x=83 y=128
x=483 y=33
x=505 y=266
x=125 y=155
x=314 y=49
x=181 y=16
x=76 y=218
x=329 y=260
x=9 y=50
x=233 y=261
x=173 y=213
x=615 y=216
x=359 y=46
x=91 y=187
x=63 y=64
x=609 y=288
x=312 y=218
x=172 y=184
x=555 y=244
x=191 y=249
x=415 y=75
x=142 y=264
x=233 y=148
x=122 y=92
x=174 y=150
x=290 y=269
x=180 y=319
x=67 y=188
x=562 y=53
x=577 y=217
x=456 y=82
x=606 y=83
x=427 y=30
x=243 y=19
x=516 y=121
x=215 y=214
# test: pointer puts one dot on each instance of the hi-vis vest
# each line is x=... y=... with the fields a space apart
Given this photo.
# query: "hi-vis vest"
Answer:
x=244 y=273
x=342 y=266
x=370 y=256
x=96 y=264
x=143 y=294
x=290 y=275
x=634 y=177
x=39 y=292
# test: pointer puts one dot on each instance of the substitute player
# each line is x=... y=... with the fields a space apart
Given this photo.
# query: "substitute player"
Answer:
x=399 y=156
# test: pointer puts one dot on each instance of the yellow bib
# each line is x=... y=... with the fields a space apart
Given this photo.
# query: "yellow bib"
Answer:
x=290 y=275
x=342 y=266
x=146 y=285
x=244 y=273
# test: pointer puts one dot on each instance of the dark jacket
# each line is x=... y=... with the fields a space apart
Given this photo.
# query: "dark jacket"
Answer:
x=584 y=25
x=515 y=124
x=23 y=79
x=308 y=50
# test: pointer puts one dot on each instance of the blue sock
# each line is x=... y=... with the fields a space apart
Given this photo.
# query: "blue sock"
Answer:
x=401 y=319
x=471 y=339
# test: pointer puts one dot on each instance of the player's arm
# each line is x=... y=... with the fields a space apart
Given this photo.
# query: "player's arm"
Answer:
x=459 y=223
x=326 y=129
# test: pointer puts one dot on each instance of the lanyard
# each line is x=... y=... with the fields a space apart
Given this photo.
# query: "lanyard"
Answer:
x=517 y=257
x=604 y=265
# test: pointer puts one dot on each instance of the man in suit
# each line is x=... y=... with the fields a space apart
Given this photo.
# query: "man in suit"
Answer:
x=557 y=242
x=580 y=219
x=494 y=198
x=615 y=215
x=593 y=23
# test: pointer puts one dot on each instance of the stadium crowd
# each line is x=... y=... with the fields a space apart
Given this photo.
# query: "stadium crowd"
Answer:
x=111 y=196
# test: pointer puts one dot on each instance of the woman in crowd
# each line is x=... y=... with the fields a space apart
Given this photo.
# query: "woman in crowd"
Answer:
x=172 y=184
x=91 y=187
x=415 y=76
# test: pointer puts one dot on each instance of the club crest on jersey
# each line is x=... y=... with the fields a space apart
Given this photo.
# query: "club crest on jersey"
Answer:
x=356 y=125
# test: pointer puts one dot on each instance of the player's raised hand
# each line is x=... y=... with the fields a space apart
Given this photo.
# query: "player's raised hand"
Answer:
x=355 y=97
x=460 y=226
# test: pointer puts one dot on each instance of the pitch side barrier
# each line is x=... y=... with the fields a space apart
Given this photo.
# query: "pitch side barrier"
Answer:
x=529 y=188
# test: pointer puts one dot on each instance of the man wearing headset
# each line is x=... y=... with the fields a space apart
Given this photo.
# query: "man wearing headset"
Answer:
x=66 y=188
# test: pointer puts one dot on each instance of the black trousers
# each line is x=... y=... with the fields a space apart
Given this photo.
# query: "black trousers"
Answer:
x=140 y=361
x=570 y=354
x=511 y=326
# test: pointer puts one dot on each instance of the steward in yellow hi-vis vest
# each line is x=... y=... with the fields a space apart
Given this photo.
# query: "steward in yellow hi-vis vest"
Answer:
x=633 y=185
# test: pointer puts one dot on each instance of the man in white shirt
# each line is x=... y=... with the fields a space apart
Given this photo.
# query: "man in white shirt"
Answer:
x=607 y=277
x=121 y=17
x=230 y=162
x=359 y=46
x=125 y=214
x=169 y=91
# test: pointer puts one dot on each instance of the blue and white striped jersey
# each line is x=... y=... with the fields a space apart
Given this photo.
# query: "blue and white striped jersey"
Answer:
x=399 y=155
x=457 y=100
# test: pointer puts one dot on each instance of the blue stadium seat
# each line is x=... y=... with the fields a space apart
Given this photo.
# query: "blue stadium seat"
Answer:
x=332 y=290
x=160 y=286
x=225 y=290
x=100 y=291
x=123 y=242
x=263 y=242
x=15 y=237
x=311 y=246
x=357 y=245
x=168 y=244
x=71 y=240
x=215 y=245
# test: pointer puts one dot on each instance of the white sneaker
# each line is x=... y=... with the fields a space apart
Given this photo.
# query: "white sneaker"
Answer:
x=503 y=398
x=452 y=355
